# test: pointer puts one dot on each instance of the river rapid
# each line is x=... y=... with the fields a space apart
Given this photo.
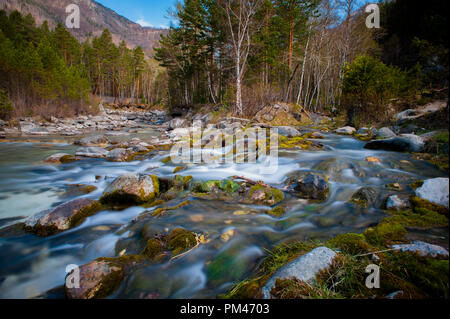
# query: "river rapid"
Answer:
x=33 y=267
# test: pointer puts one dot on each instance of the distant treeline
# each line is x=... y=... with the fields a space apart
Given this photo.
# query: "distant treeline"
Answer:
x=49 y=72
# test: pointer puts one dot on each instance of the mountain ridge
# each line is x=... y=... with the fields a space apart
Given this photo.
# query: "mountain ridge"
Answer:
x=94 y=18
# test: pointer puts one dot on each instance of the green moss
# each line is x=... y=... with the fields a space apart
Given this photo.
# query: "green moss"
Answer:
x=419 y=218
x=385 y=233
x=421 y=206
x=181 y=240
x=230 y=186
x=247 y=289
x=393 y=186
x=350 y=243
x=284 y=253
x=155 y=184
x=416 y=184
x=178 y=169
x=277 y=211
x=166 y=160
x=153 y=249
x=92 y=209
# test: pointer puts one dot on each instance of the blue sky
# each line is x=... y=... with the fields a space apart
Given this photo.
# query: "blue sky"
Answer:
x=148 y=13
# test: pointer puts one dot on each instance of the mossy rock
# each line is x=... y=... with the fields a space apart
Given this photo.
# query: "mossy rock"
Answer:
x=181 y=240
x=259 y=194
x=277 y=211
x=248 y=289
x=67 y=159
x=419 y=218
x=154 y=249
x=350 y=243
x=364 y=197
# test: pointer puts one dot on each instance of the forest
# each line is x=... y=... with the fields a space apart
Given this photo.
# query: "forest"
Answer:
x=49 y=73
x=240 y=55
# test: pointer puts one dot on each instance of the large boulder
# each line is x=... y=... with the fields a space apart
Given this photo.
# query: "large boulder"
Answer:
x=311 y=186
x=92 y=141
x=92 y=152
x=62 y=217
x=177 y=123
x=385 y=132
x=304 y=268
x=288 y=131
x=435 y=190
x=346 y=130
x=401 y=143
x=131 y=189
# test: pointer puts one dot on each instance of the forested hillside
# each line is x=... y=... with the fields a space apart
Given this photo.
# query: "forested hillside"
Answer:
x=247 y=54
x=48 y=72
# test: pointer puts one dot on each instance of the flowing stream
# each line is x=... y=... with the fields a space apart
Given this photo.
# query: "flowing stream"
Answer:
x=31 y=266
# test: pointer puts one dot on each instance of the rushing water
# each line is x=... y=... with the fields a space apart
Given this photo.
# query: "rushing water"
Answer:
x=30 y=266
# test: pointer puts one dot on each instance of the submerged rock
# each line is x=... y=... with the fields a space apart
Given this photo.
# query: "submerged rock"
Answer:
x=435 y=190
x=131 y=189
x=62 y=217
x=304 y=268
x=401 y=143
x=423 y=249
x=395 y=202
x=365 y=197
x=311 y=186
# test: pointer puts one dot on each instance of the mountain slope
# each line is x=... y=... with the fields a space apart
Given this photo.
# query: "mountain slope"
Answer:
x=94 y=18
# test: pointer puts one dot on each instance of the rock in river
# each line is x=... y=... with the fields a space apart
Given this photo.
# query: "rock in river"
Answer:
x=93 y=152
x=288 y=131
x=401 y=143
x=304 y=268
x=117 y=155
x=385 y=132
x=92 y=140
x=98 y=279
x=130 y=189
x=346 y=130
x=435 y=190
x=62 y=217
x=311 y=186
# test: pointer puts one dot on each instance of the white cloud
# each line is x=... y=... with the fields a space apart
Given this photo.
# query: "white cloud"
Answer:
x=162 y=26
x=144 y=23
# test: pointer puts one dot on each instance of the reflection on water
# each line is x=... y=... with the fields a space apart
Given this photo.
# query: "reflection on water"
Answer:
x=30 y=266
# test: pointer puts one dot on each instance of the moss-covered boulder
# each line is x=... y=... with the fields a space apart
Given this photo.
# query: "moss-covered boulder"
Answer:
x=62 y=217
x=131 y=189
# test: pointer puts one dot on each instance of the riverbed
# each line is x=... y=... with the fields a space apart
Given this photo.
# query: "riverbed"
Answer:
x=240 y=235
